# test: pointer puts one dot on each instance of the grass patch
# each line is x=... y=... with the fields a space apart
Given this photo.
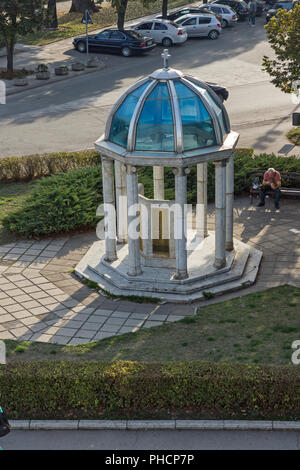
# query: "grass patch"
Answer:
x=294 y=135
x=69 y=24
x=12 y=197
x=258 y=336
x=17 y=73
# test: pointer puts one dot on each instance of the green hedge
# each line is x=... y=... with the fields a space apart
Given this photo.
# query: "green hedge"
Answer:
x=68 y=201
x=60 y=203
x=50 y=389
x=13 y=169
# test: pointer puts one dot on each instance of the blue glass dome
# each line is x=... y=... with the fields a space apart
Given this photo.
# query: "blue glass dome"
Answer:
x=168 y=112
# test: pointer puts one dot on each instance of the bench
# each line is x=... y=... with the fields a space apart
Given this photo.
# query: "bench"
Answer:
x=288 y=192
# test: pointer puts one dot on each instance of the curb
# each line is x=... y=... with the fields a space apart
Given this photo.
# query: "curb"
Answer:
x=40 y=83
x=147 y=425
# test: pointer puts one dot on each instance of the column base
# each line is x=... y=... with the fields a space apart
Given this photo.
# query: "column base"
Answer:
x=229 y=246
x=219 y=263
x=135 y=274
x=180 y=276
x=110 y=259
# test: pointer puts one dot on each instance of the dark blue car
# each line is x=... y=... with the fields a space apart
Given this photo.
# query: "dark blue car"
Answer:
x=127 y=42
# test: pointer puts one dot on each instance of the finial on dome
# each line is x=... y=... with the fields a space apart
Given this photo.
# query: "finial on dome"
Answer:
x=165 y=56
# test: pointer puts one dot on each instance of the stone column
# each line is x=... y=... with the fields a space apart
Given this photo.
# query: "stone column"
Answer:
x=220 y=226
x=180 y=222
x=229 y=202
x=134 y=256
x=159 y=182
x=121 y=201
x=201 y=210
x=109 y=209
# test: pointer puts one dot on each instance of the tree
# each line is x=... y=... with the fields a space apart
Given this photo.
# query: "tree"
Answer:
x=79 y=6
x=164 y=9
x=284 y=37
x=19 y=17
x=52 y=14
x=120 y=6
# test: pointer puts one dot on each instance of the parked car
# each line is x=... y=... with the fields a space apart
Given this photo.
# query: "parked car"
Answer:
x=200 y=25
x=189 y=11
x=220 y=91
x=281 y=5
x=239 y=6
x=260 y=7
x=228 y=16
x=126 y=42
x=163 y=32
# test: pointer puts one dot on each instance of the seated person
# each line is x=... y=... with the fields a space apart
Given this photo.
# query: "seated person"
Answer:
x=271 y=182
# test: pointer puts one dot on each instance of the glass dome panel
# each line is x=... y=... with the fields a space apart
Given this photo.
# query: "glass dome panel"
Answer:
x=121 y=120
x=155 y=128
x=218 y=110
x=197 y=126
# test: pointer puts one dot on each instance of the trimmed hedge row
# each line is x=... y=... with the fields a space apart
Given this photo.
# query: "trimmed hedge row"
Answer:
x=60 y=203
x=14 y=169
x=53 y=389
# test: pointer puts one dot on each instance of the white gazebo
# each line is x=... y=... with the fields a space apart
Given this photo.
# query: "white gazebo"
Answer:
x=157 y=247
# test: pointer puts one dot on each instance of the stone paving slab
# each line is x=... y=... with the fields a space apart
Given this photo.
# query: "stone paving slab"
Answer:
x=36 y=303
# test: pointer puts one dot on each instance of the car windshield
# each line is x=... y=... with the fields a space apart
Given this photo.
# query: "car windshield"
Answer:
x=284 y=5
x=134 y=34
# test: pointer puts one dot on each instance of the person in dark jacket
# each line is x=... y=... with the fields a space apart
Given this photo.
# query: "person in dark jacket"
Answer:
x=252 y=7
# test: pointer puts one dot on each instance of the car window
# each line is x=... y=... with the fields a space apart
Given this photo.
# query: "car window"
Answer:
x=225 y=10
x=103 y=35
x=117 y=35
x=134 y=34
x=145 y=26
x=174 y=24
x=189 y=22
x=160 y=26
x=216 y=9
x=204 y=20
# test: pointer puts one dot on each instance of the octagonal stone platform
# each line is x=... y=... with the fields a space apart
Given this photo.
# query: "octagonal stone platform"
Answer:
x=241 y=269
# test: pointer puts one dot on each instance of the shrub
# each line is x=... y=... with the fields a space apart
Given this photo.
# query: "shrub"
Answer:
x=54 y=389
x=61 y=203
x=35 y=166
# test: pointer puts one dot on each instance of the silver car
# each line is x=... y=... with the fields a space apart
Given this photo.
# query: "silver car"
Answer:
x=163 y=32
x=228 y=16
x=199 y=25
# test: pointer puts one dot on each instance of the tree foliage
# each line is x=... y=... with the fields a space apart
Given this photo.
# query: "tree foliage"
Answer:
x=284 y=37
x=19 y=17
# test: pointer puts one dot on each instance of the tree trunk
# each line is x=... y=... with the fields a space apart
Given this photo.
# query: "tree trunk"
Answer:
x=121 y=15
x=164 y=10
x=52 y=14
x=79 y=6
x=204 y=2
x=10 y=46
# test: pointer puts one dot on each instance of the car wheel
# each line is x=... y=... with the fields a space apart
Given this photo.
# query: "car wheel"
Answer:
x=81 y=46
x=167 y=42
x=213 y=34
x=224 y=23
x=126 y=51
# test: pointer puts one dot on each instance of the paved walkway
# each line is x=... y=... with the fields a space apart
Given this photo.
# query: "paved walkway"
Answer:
x=41 y=300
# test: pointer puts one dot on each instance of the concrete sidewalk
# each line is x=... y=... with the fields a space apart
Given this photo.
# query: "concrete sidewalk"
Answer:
x=42 y=301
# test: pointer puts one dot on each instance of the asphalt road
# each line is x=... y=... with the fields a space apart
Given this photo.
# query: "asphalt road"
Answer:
x=151 y=440
x=71 y=115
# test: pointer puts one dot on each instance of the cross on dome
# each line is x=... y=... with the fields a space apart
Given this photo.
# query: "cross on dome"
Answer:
x=165 y=56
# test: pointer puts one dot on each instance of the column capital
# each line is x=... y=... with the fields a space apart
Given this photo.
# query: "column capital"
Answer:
x=180 y=171
x=220 y=162
x=131 y=169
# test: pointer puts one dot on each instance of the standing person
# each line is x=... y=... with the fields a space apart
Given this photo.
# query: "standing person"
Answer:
x=271 y=181
x=252 y=7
